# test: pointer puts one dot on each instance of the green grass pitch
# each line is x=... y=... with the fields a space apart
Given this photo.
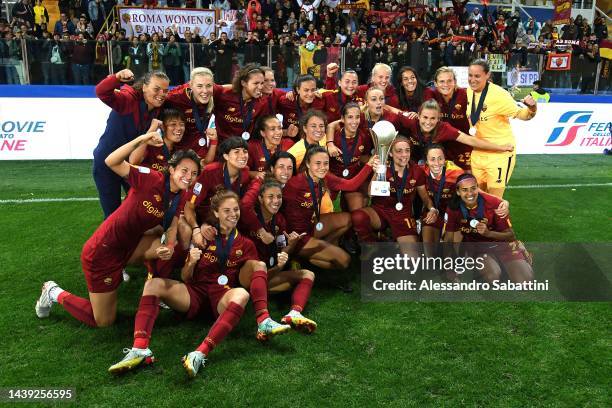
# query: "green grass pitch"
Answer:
x=363 y=354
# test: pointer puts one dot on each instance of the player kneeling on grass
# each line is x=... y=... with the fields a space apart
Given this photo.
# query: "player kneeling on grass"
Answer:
x=121 y=239
x=269 y=236
x=472 y=217
x=211 y=277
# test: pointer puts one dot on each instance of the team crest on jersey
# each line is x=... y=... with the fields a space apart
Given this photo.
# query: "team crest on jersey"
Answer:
x=108 y=280
x=484 y=107
x=306 y=195
x=159 y=157
x=157 y=197
x=332 y=109
x=446 y=190
x=189 y=111
x=231 y=109
x=361 y=148
x=239 y=252
x=458 y=106
x=413 y=182
x=391 y=179
x=212 y=247
x=197 y=188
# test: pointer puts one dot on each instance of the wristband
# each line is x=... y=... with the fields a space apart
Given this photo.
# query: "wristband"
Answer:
x=213 y=142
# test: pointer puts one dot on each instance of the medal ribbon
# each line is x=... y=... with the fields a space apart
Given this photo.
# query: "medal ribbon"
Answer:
x=223 y=252
x=346 y=155
x=479 y=211
x=451 y=106
x=265 y=151
x=272 y=245
x=438 y=192
x=399 y=193
x=249 y=115
x=316 y=199
x=199 y=121
x=227 y=181
x=475 y=112
x=169 y=206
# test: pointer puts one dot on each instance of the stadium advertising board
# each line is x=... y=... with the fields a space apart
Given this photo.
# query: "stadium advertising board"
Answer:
x=522 y=78
x=558 y=128
x=562 y=128
x=43 y=128
x=136 y=21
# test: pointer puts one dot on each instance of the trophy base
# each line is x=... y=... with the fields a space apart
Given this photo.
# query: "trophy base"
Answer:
x=380 y=188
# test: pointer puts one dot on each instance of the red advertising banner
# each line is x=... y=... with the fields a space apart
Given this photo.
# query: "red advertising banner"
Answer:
x=562 y=12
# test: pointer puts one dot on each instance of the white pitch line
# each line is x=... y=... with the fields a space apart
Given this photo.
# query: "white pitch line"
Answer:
x=81 y=199
x=560 y=185
x=47 y=200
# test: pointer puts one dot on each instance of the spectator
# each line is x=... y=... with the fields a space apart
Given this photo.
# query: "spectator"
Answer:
x=224 y=53
x=23 y=10
x=569 y=31
x=83 y=26
x=155 y=52
x=81 y=57
x=137 y=52
x=97 y=14
x=41 y=15
x=64 y=26
x=172 y=61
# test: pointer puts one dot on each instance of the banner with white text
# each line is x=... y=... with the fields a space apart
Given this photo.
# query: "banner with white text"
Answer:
x=136 y=21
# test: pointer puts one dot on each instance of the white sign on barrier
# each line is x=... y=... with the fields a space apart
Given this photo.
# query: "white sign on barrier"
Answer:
x=461 y=73
x=50 y=128
x=136 y=21
x=564 y=128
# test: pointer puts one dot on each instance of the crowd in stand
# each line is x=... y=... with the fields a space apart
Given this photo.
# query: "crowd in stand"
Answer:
x=390 y=32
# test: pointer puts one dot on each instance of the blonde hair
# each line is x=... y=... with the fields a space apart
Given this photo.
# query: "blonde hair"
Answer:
x=444 y=70
x=203 y=71
x=364 y=108
x=430 y=104
x=378 y=66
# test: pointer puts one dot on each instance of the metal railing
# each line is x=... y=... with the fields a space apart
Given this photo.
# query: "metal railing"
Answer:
x=34 y=61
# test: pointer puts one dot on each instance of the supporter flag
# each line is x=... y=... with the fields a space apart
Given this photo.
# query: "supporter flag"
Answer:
x=559 y=62
x=605 y=49
x=562 y=12
x=354 y=4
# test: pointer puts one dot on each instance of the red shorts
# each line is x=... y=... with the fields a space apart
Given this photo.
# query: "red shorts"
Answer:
x=102 y=266
x=402 y=223
x=439 y=224
x=302 y=242
x=204 y=298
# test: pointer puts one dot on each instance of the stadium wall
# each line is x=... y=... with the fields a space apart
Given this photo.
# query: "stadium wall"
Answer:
x=65 y=122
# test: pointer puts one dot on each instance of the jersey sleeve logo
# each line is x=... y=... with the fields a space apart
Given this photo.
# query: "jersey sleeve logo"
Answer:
x=197 y=188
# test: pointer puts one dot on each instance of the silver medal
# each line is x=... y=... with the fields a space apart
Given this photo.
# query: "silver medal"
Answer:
x=319 y=226
x=271 y=261
x=473 y=131
x=473 y=223
x=345 y=172
x=163 y=238
x=399 y=206
x=202 y=141
x=222 y=280
x=246 y=135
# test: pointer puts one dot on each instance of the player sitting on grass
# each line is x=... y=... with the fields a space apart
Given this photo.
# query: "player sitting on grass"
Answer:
x=211 y=277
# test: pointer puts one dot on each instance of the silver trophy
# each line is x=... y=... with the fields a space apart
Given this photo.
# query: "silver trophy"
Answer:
x=383 y=134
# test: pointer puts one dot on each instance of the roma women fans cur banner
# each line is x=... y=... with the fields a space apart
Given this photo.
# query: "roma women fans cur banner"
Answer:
x=562 y=12
x=559 y=62
x=136 y=21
